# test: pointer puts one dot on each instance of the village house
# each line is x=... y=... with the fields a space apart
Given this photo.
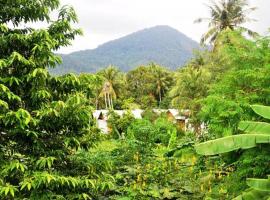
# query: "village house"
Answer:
x=179 y=118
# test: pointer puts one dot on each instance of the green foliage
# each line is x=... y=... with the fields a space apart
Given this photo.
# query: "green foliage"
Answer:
x=245 y=141
x=149 y=84
x=120 y=124
x=226 y=15
x=44 y=120
x=231 y=143
x=242 y=81
x=166 y=131
x=142 y=130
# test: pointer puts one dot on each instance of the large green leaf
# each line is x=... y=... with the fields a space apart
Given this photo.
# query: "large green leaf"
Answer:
x=255 y=127
x=259 y=184
x=252 y=194
x=263 y=111
x=231 y=143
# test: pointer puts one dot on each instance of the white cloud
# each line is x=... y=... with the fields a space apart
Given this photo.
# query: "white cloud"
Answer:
x=104 y=20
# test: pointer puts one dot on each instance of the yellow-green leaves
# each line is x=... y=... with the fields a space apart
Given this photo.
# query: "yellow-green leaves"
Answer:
x=8 y=190
x=17 y=57
x=15 y=165
x=19 y=119
x=38 y=73
x=7 y=94
x=45 y=162
x=11 y=81
x=26 y=184
x=3 y=28
x=3 y=104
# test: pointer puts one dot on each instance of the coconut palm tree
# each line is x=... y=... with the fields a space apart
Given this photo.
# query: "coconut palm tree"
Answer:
x=108 y=93
x=226 y=14
x=111 y=76
x=162 y=80
x=192 y=85
x=96 y=85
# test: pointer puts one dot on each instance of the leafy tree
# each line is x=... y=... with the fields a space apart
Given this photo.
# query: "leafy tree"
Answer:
x=149 y=84
x=138 y=81
x=226 y=14
x=91 y=85
x=192 y=85
x=43 y=119
x=244 y=82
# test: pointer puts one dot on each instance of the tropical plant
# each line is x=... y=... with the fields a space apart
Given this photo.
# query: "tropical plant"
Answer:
x=256 y=133
x=110 y=86
x=44 y=120
x=239 y=78
x=162 y=80
x=91 y=85
x=226 y=14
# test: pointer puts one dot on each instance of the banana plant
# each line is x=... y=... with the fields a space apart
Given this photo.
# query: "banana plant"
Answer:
x=255 y=133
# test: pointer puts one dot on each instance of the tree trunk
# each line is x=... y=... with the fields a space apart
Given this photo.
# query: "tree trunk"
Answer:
x=108 y=103
x=105 y=98
x=160 y=98
x=111 y=103
x=96 y=100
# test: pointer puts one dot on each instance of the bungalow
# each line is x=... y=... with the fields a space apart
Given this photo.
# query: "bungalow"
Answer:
x=173 y=115
x=101 y=116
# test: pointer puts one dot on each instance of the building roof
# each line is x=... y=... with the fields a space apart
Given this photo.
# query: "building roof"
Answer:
x=137 y=113
x=120 y=112
x=159 y=111
x=96 y=114
x=174 y=112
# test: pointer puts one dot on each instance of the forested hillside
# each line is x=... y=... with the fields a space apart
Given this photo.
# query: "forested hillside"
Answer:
x=161 y=44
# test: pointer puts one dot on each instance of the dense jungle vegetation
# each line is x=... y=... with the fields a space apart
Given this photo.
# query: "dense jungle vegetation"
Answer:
x=51 y=148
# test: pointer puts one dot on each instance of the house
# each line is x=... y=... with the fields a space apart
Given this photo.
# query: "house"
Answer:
x=178 y=118
x=137 y=113
x=173 y=115
x=101 y=116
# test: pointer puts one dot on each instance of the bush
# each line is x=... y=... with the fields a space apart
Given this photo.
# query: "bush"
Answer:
x=142 y=130
x=164 y=129
x=118 y=124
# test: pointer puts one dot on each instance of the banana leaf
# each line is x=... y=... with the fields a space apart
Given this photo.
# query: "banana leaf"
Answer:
x=254 y=127
x=263 y=111
x=252 y=194
x=231 y=143
x=259 y=184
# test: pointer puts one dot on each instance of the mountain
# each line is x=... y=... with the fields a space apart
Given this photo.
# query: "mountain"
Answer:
x=161 y=44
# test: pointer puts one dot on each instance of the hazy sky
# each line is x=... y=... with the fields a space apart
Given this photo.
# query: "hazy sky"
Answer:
x=104 y=20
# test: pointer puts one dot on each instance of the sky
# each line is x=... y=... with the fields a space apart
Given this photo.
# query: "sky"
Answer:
x=105 y=20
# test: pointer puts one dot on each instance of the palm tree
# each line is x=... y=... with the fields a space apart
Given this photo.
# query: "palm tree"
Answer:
x=226 y=14
x=162 y=80
x=192 y=84
x=108 y=93
x=111 y=84
x=96 y=85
